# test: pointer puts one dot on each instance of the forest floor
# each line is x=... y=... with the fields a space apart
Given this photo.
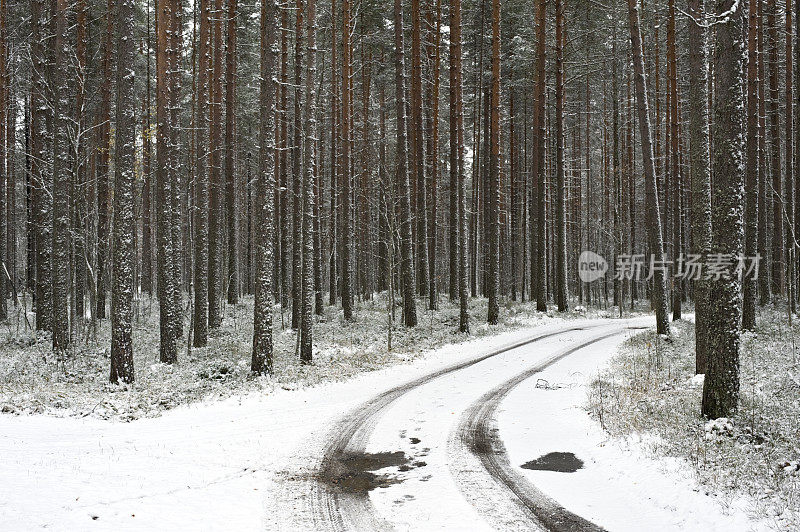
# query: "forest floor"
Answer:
x=649 y=396
x=34 y=381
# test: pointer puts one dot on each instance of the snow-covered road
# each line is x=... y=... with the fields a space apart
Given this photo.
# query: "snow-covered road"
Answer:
x=437 y=444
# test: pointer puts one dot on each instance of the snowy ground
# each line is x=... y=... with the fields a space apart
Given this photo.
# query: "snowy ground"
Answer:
x=251 y=463
x=650 y=397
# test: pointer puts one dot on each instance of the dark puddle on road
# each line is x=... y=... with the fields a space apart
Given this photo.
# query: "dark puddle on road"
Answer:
x=353 y=473
x=560 y=462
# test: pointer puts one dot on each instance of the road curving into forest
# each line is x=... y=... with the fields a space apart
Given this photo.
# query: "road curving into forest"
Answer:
x=429 y=449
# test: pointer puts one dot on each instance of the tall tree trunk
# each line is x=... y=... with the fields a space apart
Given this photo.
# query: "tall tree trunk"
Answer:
x=434 y=58
x=778 y=261
x=721 y=385
x=39 y=165
x=676 y=176
x=147 y=186
x=61 y=181
x=539 y=254
x=201 y=263
x=333 y=236
x=457 y=161
x=751 y=171
x=700 y=170
x=168 y=352
x=789 y=192
x=401 y=163
x=124 y=217
x=230 y=156
x=346 y=177
x=561 y=215
x=297 y=176
x=310 y=120
x=763 y=181
x=493 y=286
x=417 y=159
x=655 y=241
x=215 y=171
x=261 y=361
x=103 y=167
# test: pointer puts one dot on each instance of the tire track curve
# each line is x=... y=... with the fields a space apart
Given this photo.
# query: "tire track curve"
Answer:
x=336 y=508
x=480 y=463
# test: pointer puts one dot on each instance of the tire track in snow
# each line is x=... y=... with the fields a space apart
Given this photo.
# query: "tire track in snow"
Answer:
x=335 y=508
x=481 y=467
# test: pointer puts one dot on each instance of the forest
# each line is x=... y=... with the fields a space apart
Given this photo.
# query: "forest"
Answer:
x=312 y=157
x=276 y=264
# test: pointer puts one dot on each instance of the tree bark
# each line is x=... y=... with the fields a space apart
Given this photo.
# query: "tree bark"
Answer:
x=751 y=171
x=401 y=162
x=124 y=218
x=721 y=385
x=261 y=361
x=656 y=243
x=700 y=169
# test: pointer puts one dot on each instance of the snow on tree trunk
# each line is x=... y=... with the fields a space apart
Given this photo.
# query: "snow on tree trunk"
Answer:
x=401 y=163
x=124 y=204
x=721 y=385
x=261 y=361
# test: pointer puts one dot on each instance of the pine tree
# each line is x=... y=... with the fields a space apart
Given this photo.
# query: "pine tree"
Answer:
x=230 y=155
x=124 y=217
x=493 y=222
x=201 y=226
x=751 y=171
x=261 y=362
x=561 y=218
x=309 y=167
x=406 y=260
x=653 y=217
x=721 y=385
x=539 y=250
x=700 y=171
x=61 y=180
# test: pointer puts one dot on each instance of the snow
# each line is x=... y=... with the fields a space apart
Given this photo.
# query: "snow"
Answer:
x=619 y=487
x=233 y=464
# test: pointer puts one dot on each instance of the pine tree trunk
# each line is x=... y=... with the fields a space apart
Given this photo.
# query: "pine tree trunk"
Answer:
x=164 y=205
x=789 y=192
x=751 y=170
x=230 y=156
x=700 y=170
x=297 y=175
x=676 y=177
x=458 y=96
x=124 y=217
x=346 y=178
x=61 y=181
x=401 y=162
x=434 y=58
x=493 y=199
x=40 y=176
x=539 y=252
x=309 y=166
x=721 y=385
x=417 y=159
x=261 y=362
x=215 y=171
x=561 y=218
x=147 y=186
x=653 y=217
x=200 y=320
x=103 y=167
